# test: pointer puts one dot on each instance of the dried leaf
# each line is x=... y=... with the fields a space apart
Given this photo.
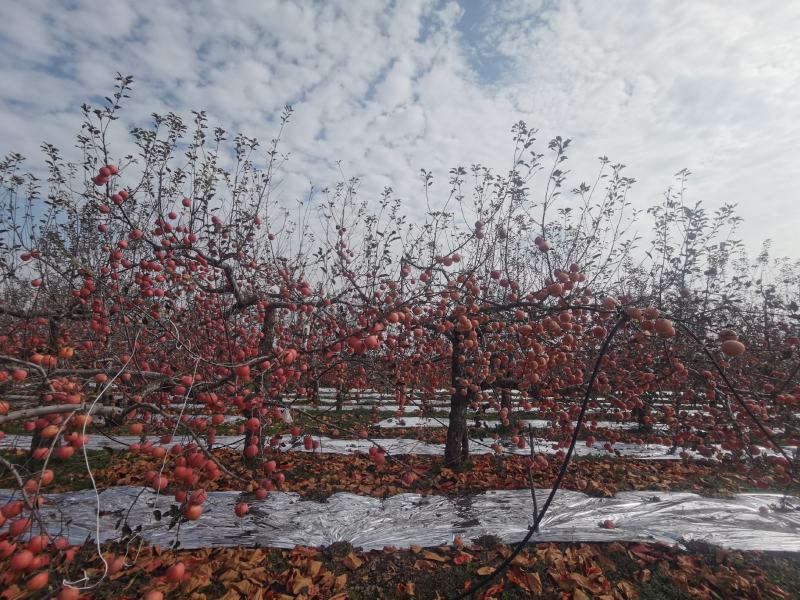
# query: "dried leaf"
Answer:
x=301 y=583
x=231 y=594
x=628 y=589
x=534 y=582
x=352 y=562
x=428 y=555
x=341 y=582
x=492 y=591
x=245 y=587
x=313 y=567
x=405 y=589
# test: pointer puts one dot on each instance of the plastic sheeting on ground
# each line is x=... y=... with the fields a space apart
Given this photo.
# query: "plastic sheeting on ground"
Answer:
x=398 y=446
x=433 y=422
x=284 y=520
x=395 y=446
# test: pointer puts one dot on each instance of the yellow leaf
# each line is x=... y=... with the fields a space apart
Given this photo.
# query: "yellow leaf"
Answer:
x=313 y=567
x=628 y=589
x=245 y=587
x=341 y=582
x=534 y=583
x=229 y=575
x=352 y=562
x=301 y=583
x=428 y=555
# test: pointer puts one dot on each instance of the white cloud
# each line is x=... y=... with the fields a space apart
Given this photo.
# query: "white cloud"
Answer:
x=664 y=85
x=390 y=88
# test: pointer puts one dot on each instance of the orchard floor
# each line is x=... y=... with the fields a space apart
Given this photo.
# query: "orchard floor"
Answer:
x=317 y=476
x=609 y=571
x=561 y=570
x=574 y=571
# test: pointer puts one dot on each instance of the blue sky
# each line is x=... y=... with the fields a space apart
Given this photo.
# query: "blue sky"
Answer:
x=385 y=89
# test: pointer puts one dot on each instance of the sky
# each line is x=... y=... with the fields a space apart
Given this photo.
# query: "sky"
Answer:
x=381 y=90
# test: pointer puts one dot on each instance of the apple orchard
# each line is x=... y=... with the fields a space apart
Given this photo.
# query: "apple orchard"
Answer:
x=170 y=292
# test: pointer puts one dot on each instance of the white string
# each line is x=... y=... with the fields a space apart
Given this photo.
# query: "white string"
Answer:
x=94 y=484
x=166 y=454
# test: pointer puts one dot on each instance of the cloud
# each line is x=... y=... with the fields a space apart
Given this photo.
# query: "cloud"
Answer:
x=665 y=85
x=384 y=89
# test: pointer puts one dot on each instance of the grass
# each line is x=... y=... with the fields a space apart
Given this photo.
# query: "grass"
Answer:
x=70 y=474
x=661 y=588
x=784 y=570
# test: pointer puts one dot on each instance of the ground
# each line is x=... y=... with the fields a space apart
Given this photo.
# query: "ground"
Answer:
x=319 y=476
x=549 y=571
x=619 y=571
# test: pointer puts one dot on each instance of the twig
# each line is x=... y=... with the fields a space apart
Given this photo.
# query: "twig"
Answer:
x=561 y=474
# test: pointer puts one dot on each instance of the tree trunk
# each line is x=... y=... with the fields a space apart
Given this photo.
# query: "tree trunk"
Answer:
x=37 y=441
x=265 y=348
x=340 y=396
x=54 y=330
x=456 y=450
x=677 y=412
x=464 y=441
x=267 y=331
x=120 y=402
x=315 y=392
x=639 y=414
x=505 y=398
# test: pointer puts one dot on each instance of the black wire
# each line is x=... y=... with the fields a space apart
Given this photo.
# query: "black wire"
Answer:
x=561 y=474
